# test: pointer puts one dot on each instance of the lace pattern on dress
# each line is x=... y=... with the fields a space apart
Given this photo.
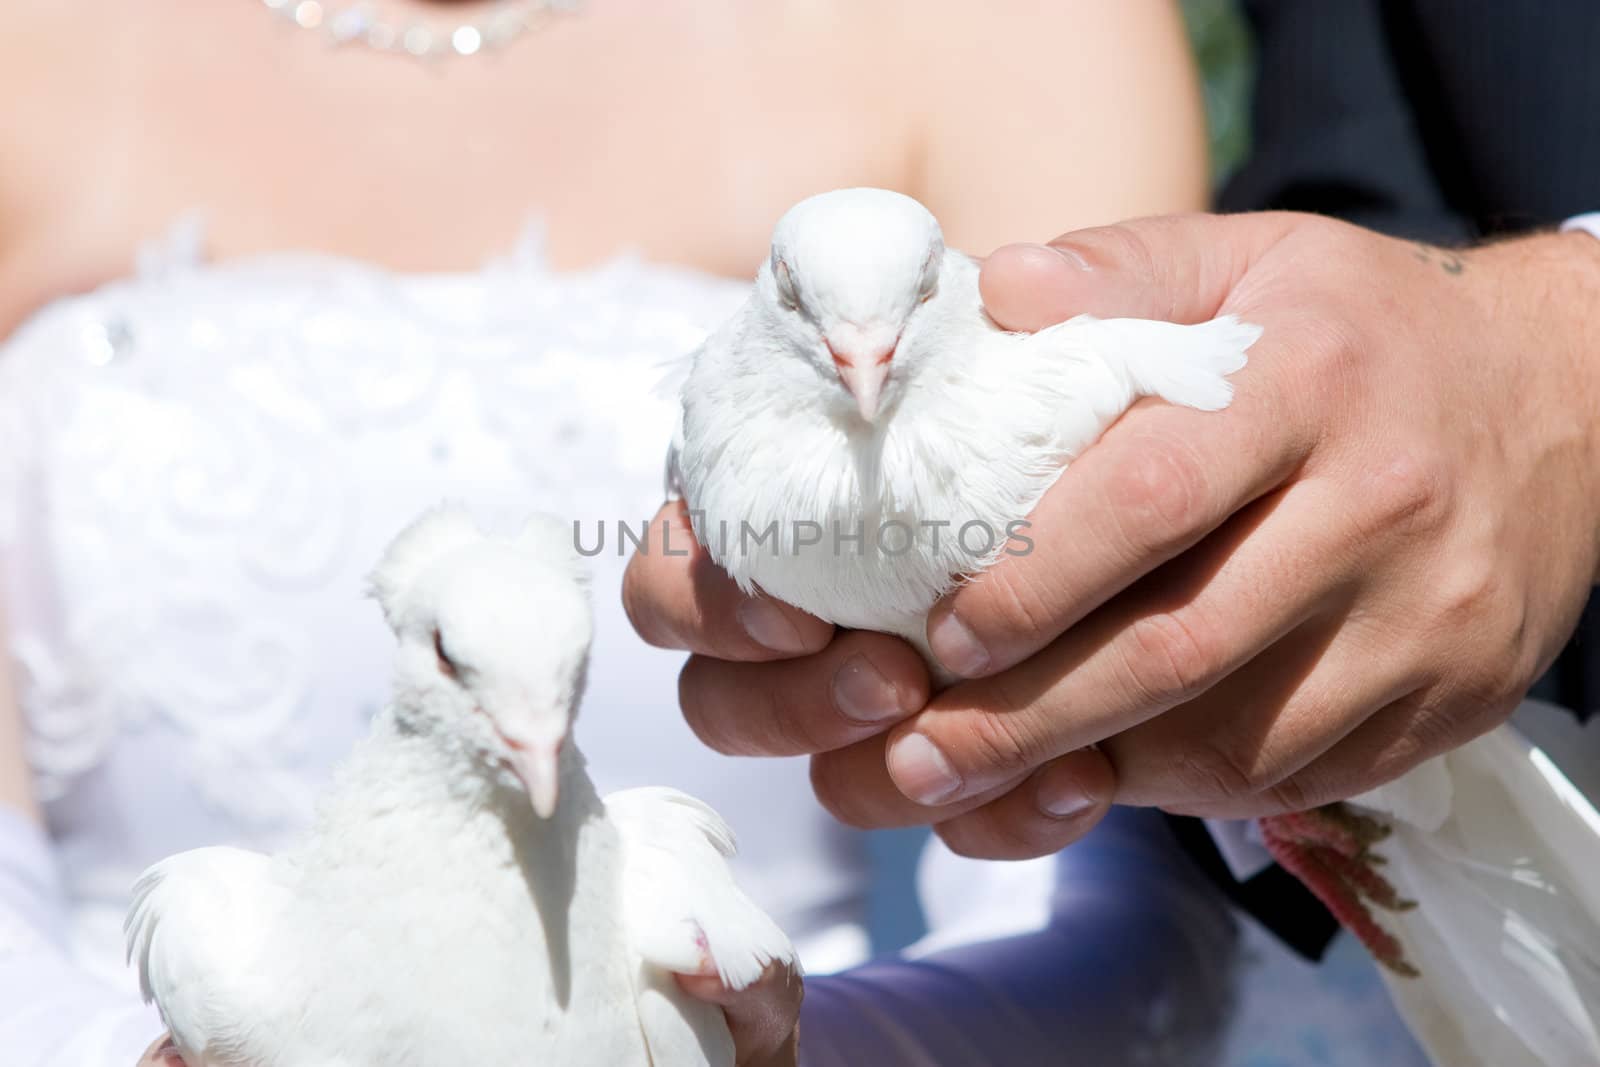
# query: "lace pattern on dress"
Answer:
x=196 y=459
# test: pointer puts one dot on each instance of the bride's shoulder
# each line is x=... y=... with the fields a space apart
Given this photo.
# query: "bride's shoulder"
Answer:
x=59 y=65
x=1035 y=119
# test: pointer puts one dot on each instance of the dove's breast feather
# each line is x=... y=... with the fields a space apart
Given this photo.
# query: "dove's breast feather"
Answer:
x=902 y=510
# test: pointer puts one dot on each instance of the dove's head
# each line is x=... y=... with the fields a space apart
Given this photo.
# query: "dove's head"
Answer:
x=849 y=271
x=494 y=639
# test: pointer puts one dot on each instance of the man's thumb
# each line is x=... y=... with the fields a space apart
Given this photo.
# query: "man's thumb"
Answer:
x=1179 y=268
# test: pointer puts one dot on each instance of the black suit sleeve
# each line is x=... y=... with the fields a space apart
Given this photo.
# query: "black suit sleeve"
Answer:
x=1333 y=130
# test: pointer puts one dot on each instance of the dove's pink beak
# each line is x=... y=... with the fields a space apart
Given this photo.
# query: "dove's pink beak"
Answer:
x=538 y=765
x=863 y=371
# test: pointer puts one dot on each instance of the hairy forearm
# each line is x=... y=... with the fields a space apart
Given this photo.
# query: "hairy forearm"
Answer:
x=1545 y=289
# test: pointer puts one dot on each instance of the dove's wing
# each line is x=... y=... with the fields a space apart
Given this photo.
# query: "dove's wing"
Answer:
x=683 y=910
x=684 y=913
x=1099 y=367
x=1506 y=931
x=196 y=931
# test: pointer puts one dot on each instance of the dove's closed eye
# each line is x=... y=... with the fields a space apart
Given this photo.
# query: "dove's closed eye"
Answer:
x=928 y=284
x=785 y=282
x=447 y=666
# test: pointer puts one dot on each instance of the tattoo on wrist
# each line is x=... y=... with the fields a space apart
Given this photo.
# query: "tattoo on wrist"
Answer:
x=1451 y=263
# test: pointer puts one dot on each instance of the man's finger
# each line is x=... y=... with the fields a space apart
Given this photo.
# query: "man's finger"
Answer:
x=1247 y=739
x=853 y=784
x=1388 y=744
x=1179 y=268
x=1162 y=644
x=1054 y=807
x=1160 y=479
x=162 y=1054
x=763 y=1017
x=677 y=597
x=860 y=685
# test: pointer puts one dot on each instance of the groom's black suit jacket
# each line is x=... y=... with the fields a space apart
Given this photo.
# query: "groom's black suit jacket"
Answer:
x=1442 y=120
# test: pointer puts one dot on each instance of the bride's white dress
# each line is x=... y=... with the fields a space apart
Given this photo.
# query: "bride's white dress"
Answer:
x=197 y=466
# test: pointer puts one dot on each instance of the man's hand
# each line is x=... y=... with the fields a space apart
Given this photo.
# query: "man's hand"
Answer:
x=764 y=1017
x=1361 y=563
x=161 y=1054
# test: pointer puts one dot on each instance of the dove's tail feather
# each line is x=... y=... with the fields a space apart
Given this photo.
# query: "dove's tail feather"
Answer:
x=1185 y=365
x=1506 y=928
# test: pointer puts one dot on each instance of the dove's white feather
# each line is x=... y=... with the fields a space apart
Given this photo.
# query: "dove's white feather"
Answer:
x=684 y=910
x=685 y=913
x=432 y=916
x=1502 y=856
x=198 y=932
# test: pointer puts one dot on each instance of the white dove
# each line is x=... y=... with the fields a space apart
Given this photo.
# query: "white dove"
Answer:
x=860 y=434
x=464 y=895
x=860 y=410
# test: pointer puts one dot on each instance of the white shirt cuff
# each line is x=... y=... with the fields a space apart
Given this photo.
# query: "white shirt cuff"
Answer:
x=1241 y=847
x=1587 y=223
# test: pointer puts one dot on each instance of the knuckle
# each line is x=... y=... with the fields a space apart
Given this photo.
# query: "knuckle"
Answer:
x=1333 y=346
x=1294 y=793
x=1212 y=770
x=1122 y=244
x=1157 y=494
x=1173 y=661
x=1017 y=600
x=1469 y=591
x=1408 y=494
x=1324 y=347
x=1331 y=246
x=996 y=744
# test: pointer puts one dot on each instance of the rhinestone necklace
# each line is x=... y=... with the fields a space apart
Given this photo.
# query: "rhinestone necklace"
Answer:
x=360 y=24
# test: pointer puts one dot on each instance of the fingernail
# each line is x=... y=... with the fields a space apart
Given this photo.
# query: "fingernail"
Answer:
x=1059 y=795
x=921 y=771
x=959 y=651
x=864 y=695
x=769 y=627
